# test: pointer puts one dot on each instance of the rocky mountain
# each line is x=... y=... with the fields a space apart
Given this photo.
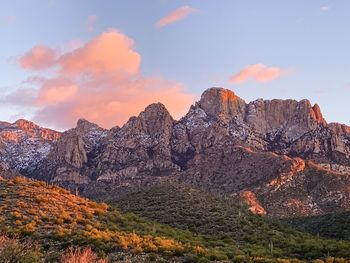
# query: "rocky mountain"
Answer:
x=23 y=144
x=280 y=156
x=70 y=155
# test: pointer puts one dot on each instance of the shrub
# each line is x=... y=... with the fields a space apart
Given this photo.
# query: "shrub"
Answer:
x=11 y=250
x=81 y=256
x=30 y=227
x=239 y=259
x=16 y=214
x=152 y=257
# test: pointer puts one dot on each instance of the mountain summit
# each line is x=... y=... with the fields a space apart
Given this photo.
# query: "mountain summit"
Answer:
x=280 y=156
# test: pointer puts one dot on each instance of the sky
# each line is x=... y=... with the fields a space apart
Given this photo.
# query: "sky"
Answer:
x=105 y=61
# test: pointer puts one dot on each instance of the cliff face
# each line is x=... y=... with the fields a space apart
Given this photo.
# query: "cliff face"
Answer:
x=279 y=155
x=294 y=128
x=23 y=144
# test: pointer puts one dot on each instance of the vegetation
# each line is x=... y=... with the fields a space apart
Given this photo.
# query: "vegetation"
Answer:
x=336 y=226
x=224 y=222
x=45 y=223
x=58 y=219
x=13 y=251
x=81 y=256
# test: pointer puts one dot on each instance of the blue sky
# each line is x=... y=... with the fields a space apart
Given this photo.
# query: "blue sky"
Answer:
x=308 y=39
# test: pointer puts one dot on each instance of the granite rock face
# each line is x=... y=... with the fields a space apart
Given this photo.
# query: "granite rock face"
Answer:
x=70 y=155
x=24 y=144
x=280 y=156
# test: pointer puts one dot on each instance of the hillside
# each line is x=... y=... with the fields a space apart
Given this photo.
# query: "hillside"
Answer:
x=57 y=219
x=48 y=219
x=225 y=220
x=336 y=225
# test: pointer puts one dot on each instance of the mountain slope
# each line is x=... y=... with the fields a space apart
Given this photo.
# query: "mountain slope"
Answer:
x=335 y=225
x=222 y=218
x=55 y=219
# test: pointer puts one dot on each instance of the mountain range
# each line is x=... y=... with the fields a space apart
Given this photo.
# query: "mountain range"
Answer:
x=280 y=157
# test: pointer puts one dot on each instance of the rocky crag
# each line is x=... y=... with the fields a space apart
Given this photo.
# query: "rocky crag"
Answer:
x=24 y=144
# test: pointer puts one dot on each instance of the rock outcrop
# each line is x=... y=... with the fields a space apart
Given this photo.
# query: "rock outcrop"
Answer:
x=70 y=155
x=23 y=144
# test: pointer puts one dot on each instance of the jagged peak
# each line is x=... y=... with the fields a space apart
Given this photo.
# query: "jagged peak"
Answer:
x=318 y=114
x=33 y=130
x=221 y=102
x=154 y=118
x=220 y=93
x=25 y=124
x=157 y=107
x=84 y=129
x=85 y=124
x=288 y=108
x=339 y=128
x=155 y=112
x=30 y=126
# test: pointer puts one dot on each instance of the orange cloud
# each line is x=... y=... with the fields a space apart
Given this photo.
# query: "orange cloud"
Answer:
x=109 y=53
x=56 y=94
x=258 y=72
x=176 y=15
x=100 y=81
x=116 y=105
x=39 y=57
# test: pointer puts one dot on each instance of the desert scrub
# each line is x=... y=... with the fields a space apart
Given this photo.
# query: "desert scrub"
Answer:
x=81 y=222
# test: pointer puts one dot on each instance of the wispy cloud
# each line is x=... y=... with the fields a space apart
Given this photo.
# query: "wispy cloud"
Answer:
x=324 y=8
x=259 y=73
x=91 y=22
x=175 y=16
x=39 y=57
x=100 y=81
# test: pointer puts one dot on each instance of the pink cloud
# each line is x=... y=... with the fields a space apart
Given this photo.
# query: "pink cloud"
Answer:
x=109 y=53
x=100 y=81
x=115 y=105
x=258 y=72
x=176 y=15
x=39 y=57
x=72 y=45
x=56 y=93
x=90 y=23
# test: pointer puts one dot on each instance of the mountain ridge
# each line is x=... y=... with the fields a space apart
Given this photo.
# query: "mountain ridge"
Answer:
x=267 y=151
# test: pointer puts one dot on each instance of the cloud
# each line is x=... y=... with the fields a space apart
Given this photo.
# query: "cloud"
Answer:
x=55 y=93
x=108 y=53
x=258 y=72
x=91 y=22
x=175 y=16
x=39 y=57
x=324 y=8
x=100 y=81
